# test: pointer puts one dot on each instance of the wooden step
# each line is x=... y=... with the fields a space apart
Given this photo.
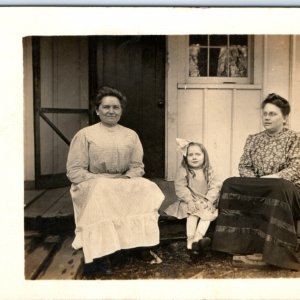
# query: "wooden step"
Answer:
x=46 y=204
x=66 y=263
x=171 y=228
x=61 y=208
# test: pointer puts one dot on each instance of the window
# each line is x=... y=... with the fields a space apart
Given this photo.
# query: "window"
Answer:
x=219 y=58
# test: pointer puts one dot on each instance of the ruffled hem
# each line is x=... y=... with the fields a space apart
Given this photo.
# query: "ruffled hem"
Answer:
x=106 y=237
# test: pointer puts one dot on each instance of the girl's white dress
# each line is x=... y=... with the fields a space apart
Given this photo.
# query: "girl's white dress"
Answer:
x=111 y=213
x=197 y=189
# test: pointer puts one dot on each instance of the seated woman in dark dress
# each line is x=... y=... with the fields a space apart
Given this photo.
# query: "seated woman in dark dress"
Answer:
x=257 y=211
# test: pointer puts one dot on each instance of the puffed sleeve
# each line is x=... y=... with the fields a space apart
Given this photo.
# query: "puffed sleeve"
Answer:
x=136 y=166
x=214 y=186
x=292 y=171
x=246 y=168
x=181 y=186
x=78 y=159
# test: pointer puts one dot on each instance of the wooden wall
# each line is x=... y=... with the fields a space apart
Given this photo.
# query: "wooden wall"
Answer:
x=222 y=116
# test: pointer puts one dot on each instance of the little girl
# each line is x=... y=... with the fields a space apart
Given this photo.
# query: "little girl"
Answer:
x=197 y=190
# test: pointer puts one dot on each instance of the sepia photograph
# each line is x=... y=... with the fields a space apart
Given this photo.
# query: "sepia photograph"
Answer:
x=154 y=158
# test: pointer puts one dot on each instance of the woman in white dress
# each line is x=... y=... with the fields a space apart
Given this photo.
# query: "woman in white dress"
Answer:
x=114 y=207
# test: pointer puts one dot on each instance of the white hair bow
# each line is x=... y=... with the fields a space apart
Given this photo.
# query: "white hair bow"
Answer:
x=182 y=145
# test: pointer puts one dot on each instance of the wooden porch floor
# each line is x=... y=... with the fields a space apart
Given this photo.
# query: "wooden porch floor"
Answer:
x=51 y=210
x=49 y=232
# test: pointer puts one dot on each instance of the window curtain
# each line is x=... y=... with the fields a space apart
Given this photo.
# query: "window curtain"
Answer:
x=233 y=61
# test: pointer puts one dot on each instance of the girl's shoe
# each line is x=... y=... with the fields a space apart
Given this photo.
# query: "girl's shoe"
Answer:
x=201 y=245
x=197 y=237
x=193 y=255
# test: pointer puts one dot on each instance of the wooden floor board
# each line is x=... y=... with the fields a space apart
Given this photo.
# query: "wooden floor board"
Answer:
x=36 y=258
x=66 y=263
x=27 y=244
x=32 y=195
x=62 y=208
x=44 y=202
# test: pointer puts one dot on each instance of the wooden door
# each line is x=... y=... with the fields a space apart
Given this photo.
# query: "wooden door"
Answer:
x=61 y=103
x=136 y=66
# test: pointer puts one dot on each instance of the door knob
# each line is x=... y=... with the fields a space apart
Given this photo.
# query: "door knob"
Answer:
x=160 y=103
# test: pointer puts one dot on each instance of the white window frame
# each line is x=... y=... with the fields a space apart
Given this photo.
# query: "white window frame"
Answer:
x=223 y=80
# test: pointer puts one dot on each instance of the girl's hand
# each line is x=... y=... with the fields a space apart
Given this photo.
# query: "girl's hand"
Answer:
x=191 y=206
x=197 y=205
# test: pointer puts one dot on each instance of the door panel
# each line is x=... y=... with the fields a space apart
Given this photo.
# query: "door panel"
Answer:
x=54 y=150
x=136 y=66
x=61 y=103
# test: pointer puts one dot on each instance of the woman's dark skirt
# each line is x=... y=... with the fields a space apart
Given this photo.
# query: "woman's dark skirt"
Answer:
x=257 y=215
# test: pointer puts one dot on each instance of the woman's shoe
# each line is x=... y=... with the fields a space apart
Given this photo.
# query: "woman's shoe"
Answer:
x=99 y=267
x=118 y=259
x=89 y=271
x=103 y=265
x=141 y=253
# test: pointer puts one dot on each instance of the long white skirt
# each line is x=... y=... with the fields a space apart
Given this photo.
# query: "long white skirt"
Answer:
x=113 y=214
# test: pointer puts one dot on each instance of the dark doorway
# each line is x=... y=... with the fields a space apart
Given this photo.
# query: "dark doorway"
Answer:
x=136 y=66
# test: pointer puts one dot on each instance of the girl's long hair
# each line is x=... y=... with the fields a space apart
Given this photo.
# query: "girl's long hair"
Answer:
x=206 y=164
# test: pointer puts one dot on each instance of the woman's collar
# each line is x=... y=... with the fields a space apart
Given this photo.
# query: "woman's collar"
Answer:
x=277 y=134
x=109 y=128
